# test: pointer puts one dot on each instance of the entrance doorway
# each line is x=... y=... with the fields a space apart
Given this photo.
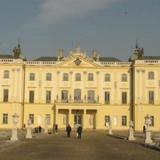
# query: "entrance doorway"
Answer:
x=77 y=120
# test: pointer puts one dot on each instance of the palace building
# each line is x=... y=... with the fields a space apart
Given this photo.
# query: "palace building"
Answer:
x=78 y=89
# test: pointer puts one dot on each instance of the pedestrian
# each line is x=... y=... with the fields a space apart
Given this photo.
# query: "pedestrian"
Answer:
x=79 y=132
x=68 y=130
x=144 y=129
x=56 y=128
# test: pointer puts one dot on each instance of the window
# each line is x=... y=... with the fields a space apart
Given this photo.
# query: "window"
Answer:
x=48 y=119
x=124 y=120
x=91 y=96
x=107 y=78
x=48 y=96
x=5 y=118
x=31 y=117
x=48 y=76
x=107 y=97
x=5 y=95
x=124 y=97
x=64 y=95
x=90 y=77
x=151 y=75
x=77 y=95
x=124 y=78
x=31 y=76
x=78 y=77
x=152 y=121
x=31 y=96
x=107 y=120
x=151 y=97
x=65 y=76
x=6 y=74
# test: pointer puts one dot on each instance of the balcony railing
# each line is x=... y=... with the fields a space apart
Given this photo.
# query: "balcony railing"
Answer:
x=77 y=101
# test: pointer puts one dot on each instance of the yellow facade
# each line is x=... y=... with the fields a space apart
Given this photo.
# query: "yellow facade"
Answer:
x=85 y=103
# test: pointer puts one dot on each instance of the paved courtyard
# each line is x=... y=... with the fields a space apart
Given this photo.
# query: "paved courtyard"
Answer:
x=95 y=145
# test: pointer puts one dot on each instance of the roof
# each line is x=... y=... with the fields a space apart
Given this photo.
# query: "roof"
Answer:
x=4 y=56
x=45 y=59
x=113 y=59
x=151 y=57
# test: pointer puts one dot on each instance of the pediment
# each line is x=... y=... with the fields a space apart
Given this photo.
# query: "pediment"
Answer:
x=79 y=61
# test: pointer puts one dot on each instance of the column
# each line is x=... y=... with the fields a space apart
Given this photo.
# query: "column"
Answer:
x=71 y=91
x=98 y=85
x=84 y=119
x=96 y=120
x=143 y=87
x=18 y=93
x=84 y=86
x=70 y=117
x=58 y=84
x=13 y=84
x=56 y=116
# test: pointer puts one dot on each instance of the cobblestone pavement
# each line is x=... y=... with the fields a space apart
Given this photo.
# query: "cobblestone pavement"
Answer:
x=94 y=145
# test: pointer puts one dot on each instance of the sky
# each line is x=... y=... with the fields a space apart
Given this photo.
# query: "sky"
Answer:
x=110 y=26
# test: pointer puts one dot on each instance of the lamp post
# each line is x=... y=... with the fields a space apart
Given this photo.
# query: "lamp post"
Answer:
x=29 y=129
x=14 y=136
x=148 y=122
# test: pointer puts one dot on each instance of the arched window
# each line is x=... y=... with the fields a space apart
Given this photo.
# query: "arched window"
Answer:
x=151 y=75
x=78 y=77
x=124 y=77
x=107 y=77
x=77 y=95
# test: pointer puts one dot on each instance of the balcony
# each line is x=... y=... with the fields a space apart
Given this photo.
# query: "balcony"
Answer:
x=78 y=101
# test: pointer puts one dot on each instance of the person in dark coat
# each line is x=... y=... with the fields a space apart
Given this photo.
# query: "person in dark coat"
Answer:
x=56 y=128
x=144 y=129
x=79 y=131
x=68 y=130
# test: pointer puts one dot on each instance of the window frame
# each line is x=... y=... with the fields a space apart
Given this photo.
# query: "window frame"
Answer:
x=6 y=74
x=77 y=77
x=124 y=120
x=32 y=76
x=124 y=77
x=5 y=96
x=31 y=100
x=48 y=76
x=151 y=75
x=107 y=77
x=124 y=101
x=48 y=96
x=5 y=118
x=65 y=77
x=90 y=77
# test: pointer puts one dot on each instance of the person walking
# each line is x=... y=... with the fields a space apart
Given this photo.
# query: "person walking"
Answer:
x=68 y=130
x=79 y=132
